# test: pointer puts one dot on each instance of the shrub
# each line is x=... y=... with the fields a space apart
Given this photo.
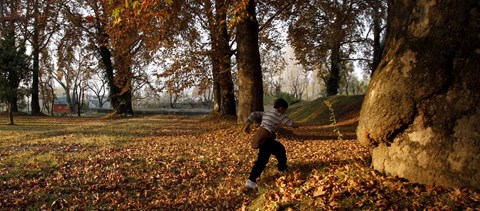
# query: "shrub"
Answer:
x=287 y=97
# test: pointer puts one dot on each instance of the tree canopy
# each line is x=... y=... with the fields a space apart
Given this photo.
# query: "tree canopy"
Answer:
x=171 y=46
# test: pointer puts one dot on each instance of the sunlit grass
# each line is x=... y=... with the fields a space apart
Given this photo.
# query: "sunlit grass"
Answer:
x=28 y=163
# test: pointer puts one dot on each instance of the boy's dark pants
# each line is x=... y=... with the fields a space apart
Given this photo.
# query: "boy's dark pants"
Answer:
x=271 y=146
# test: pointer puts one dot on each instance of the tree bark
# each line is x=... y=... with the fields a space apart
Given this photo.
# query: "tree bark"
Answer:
x=333 y=80
x=10 y=114
x=377 y=30
x=224 y=55
x=122 y=100
x=420 y=113
x=35 y=103
x=223 y=92
x=249 y=69
x=217 y=98
x=217 y=94
x=120 y=95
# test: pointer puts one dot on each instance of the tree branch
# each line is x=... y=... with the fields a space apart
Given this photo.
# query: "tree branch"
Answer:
x=269 y=21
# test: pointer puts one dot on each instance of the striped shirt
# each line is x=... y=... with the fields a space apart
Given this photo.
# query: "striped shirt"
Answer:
x=270 y=119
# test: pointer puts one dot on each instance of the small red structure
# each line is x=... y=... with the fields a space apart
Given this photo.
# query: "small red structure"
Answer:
x=60 y=108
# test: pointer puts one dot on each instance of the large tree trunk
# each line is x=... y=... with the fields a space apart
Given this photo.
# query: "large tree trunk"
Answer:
x=224 y=55
x=421 y=113
x=249 y=69
x=122 y=102
x=333 y=80
x=35 y=103
x=121 y=99
x=377 y=17
x=223 y=91
x=217 y=97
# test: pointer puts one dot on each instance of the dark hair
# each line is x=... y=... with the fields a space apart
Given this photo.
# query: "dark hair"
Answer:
x=280 y=103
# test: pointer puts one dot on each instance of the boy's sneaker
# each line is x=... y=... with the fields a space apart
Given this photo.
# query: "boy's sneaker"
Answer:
x=250 y=184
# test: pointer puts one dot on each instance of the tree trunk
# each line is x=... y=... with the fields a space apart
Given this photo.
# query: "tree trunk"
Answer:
x=106 y=57
x=14 y=102
x=217 y=95
x=333 y=80
x=69 y=100
x=217 y=98
x=420 y=112
x=1 y=11
x=121 y=102
x=122 y=99
x=119 y=82
x=35 y=103
x=10 y=114
x=224 y=98
x=377 y=30
x=224 y=55
x=249 y=70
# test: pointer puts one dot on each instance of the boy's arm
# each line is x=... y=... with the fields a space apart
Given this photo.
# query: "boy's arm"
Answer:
x=254 y=116
x=289 y=122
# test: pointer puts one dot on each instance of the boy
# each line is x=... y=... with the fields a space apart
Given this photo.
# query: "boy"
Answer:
x=264 y=139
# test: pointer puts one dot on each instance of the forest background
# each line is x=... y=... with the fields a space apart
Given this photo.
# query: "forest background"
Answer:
x=135 y=54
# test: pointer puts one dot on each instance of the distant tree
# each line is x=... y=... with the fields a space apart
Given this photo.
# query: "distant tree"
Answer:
x=377 y=12
x=79 y=89
x=211 y=19
x=140 y=80
x=204 y=55
x=272 y=42
x=114 y=52
x=98 y=85
x=346 y=74
x=13 y=70
x=355 y=85
x=47 y=83
x=177 y=80
x=205 y=90
x=74 y=65
x=323 y=35
x=273 y=64
x=297 y=86
x=135 y=30
x=39 y=24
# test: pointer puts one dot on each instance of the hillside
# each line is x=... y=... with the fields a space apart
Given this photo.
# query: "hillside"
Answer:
x=345 y=108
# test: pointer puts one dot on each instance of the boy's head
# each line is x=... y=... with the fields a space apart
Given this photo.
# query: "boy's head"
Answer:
x=280 y=104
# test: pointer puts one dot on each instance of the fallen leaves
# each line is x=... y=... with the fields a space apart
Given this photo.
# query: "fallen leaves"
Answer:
x=166 y=162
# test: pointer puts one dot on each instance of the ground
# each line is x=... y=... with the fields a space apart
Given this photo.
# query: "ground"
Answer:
x=168 y=162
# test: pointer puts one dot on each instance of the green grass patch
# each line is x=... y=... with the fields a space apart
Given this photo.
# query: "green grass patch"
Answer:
x=317 y=113
x=28 y=163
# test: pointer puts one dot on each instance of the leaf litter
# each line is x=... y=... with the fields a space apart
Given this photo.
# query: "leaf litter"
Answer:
x=198 y=163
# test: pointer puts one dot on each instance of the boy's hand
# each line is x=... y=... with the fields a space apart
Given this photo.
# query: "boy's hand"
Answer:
x=247 y=128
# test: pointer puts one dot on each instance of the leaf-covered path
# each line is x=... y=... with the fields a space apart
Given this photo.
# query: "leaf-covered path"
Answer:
x=196 y=163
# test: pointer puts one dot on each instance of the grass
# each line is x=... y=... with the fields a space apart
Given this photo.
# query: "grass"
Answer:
x=347 y=109
x=199 y=163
